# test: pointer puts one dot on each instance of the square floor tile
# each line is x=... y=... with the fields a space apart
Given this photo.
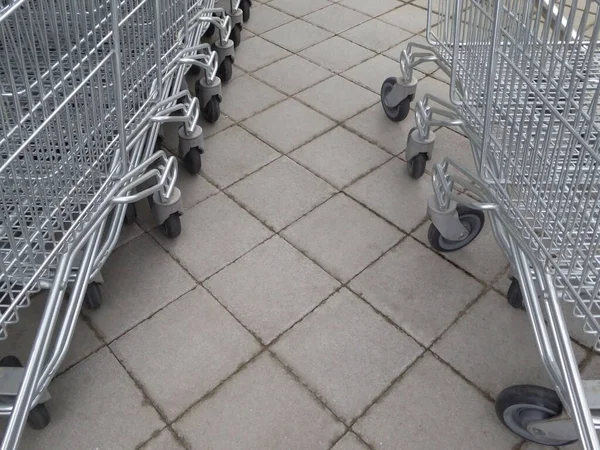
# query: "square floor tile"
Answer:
x=288 y=125
x=340 y=157
x=129 y=233
x=271 y=287
x=449 y=143
x=281 y=193
x=417 y=289
x=306 y=74
x=374 y=126
x=246 y=96
x=371 y=8
x=204 y=347
x=194 y=188
x=373 y=72
x=376 y=35
x=493 y=346
x=399 y=419
x=164 y=441
x=214 y=233
x=231 y=155
x=408 y=18
x=265 y=18
x=296 y=36
x=299 y=9
x=432 y=86
x=139 y=279
x=262 y=407
x=336 y=18
x=482 y=258
x=349 y=442
x=346 y=353
x=338 y=98
x=342 y=236
x=258 y=53
x=392 y=193
x=91 y=402
x=337 y=54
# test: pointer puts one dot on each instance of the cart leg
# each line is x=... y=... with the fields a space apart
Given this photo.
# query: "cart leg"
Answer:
x=166 y=212
x=418 y=151
x=226 y=54
x=453 y=227
x=209 y=95
x=191 y=147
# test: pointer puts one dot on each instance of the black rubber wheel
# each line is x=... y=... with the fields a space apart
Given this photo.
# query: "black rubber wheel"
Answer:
x=39 y=416
x=472 y=219
x=171 y=227
x=518 y=406
x=515 y=295
x=93 y=297
x=416 y=166
x=212 y=111
x=193 y=160
x=130 y=214
x=236 y=35
x=225 y=71
x=399 y=112
x=194 y=70
x=210 y=31
x=245 y=7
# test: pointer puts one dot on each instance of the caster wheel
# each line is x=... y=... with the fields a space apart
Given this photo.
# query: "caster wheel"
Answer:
x=212 y=111
x=93 y=297
x=39 y=416
x=193 y=161
x=518 y=406
x=171 y=227
x=210 y=31
x=472 y=219
x=236 y=35
x=515 y=295
x=397 y=113
x=130 y=214
x=416 y=166
x=245 y=7
x=225 y=71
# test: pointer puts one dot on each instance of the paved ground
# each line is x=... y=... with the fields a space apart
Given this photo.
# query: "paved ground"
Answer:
x=301 y=308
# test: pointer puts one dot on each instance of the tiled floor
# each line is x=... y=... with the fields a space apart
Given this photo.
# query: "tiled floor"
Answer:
x=301 y=308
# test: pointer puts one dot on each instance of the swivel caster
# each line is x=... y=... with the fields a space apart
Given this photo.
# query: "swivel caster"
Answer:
x=92 y=299
x=225 y=71
x=473 y=221
x=236 y=35
x=245 y=7
x=130 y=214
x=400 y=111
x=212 y=110
x=193 y=160
x=515 y=295
x=171 y=227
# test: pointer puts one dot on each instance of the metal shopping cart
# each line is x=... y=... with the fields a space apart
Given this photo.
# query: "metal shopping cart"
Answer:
x=239 y=11
x=525 y=89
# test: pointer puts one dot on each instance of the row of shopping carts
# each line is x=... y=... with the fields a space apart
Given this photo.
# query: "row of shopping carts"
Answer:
x=525 y=89
x=85 y=86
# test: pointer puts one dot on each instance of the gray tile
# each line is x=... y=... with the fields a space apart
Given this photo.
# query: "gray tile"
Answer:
x=376 y=35
x=265 y=18
x=336 y=18
x=340 y=157
x=418 y=290
x=215 y=232
x=346 y=353
x=140 y=278
x=246 y=96
x=194 y=188
x=349 y=442
x=392 y=193
x=449 y=143
x=371 y=8
x=129 y=233
x=258 y=53
x=503 y=282
x=408 y=17
x=92 y=407
x=468 y=421
x=296 y=36
x=299 y=9
x=21 y=336
x=337 y=54
x=493 y=346
x=482 y=258
x=297 y=192
x=374 y=126
x=252 y=411
x=233 y=154
x=164 y=441
x=338 y=98
x=288 y=125
x=433 y=86
x=373 y=72
x=271 y=287
x=205 y=347
x=342 y=236
x=306 y=74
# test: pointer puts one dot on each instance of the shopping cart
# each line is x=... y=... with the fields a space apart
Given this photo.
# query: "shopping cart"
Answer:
x=239 y=11
x=525 y=89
